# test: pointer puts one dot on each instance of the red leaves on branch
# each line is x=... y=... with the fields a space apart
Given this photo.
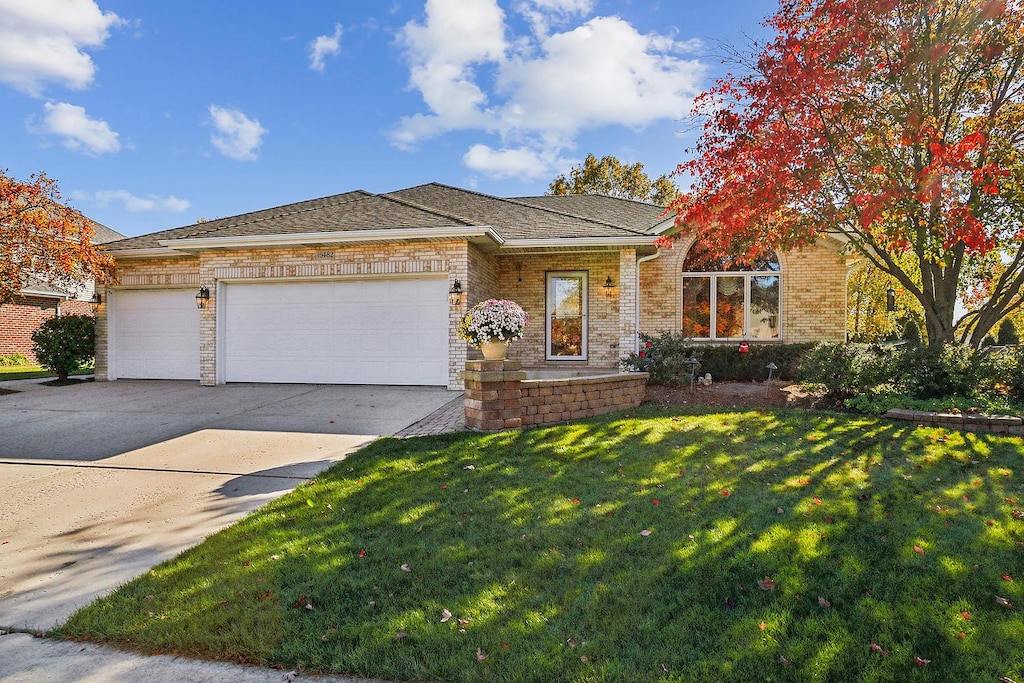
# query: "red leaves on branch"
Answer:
x=42 y=237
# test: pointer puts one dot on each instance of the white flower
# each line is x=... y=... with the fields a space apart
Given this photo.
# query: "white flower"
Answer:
x=493 y=319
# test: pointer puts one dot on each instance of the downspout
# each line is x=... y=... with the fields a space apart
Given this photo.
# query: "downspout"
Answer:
x=636 y=312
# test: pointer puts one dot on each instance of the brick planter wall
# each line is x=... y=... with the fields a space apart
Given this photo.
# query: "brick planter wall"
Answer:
x=498 y=396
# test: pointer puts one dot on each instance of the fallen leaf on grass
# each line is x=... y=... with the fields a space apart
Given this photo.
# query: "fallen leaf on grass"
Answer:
x=405 y=568
x=400 y=635
x=919 y=550
x=655 y=502
x=575 y=501
x=875 y=647
x=1006 y=577
x=309 y=606
x=961 y=635
x=571 y=642
x=1003 y=601
x=816 y=501
x=362 y=553
x=726 y=493
x=480 y=656
x=762 y=626
x=445 y=615
x=469 y=467
x=965 y=614
x=1018 y=514
x=766 y=584
x=784 y=662
x=585 y=659
x=823 y=602
x=779 y=511
x=645 y=532
x=921 y=662
x=289 y=677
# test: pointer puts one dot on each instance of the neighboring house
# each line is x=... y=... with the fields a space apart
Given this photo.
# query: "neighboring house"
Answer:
x=356 y=288
x=38 y=301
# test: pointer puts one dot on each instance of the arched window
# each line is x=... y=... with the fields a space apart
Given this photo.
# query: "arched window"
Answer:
x=728 y=299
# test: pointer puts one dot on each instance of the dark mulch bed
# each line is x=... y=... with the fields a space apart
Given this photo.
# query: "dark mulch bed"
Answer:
x=4 y=392
x=743 y=395
x=69 y=382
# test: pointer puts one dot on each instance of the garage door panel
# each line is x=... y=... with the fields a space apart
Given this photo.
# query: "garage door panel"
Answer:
x=155 y=334
x=345 y=332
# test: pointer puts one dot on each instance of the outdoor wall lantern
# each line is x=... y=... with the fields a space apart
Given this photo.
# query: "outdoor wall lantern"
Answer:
x=890 y=299
x=608 y=284
x=96 y=298
x=455 y=293
x=203 y=296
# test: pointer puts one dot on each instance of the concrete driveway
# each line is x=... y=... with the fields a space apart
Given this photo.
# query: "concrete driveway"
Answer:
x=100 y=481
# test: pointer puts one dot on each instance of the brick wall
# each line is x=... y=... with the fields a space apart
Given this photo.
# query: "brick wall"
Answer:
x=546 y=401
x=813 y=293
x=603 y=322
x=19 y=319
x=498 y=396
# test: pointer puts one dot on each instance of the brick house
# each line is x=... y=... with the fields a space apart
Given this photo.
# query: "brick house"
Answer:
x=357 y=288
x=38 y=302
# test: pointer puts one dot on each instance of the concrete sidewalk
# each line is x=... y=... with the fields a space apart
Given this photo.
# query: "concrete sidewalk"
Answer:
x=24 y=658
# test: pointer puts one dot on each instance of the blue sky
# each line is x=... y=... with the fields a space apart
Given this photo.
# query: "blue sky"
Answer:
x=154 y=114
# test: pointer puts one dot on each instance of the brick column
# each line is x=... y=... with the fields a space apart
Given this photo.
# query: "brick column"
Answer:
x=493 y=394
x=627 y=302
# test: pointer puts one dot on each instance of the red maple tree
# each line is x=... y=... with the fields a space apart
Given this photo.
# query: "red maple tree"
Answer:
x=42 y=237
x=891 y=125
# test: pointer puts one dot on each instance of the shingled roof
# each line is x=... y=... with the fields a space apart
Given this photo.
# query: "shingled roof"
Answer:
x=432 y=205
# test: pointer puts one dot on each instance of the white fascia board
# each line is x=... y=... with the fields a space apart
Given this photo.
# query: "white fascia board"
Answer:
x=580 y=242
x=335 y=237
x=43 y=294
x=664 y=227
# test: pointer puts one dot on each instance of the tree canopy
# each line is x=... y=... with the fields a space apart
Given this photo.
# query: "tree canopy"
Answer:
x=894 y=126
x=611 y=177
x=42 y=237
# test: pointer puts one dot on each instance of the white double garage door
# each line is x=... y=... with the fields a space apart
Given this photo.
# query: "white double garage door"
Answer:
x=335 y=332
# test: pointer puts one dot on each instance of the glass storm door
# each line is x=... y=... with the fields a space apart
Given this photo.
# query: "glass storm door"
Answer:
x=567 y=316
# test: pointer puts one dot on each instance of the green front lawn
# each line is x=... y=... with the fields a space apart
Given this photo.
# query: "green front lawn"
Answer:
x=10 y=372
x=646 y=546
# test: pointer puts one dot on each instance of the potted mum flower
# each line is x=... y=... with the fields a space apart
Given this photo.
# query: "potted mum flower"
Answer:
x=491 y=325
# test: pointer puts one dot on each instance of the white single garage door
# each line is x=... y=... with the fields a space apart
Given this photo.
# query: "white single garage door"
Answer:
x=339 y=332
x=154 y=334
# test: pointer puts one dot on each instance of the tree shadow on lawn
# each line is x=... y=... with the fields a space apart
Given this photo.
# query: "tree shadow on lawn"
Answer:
x=533 y=540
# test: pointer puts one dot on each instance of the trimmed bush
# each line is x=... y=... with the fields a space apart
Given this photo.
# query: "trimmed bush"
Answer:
x=933 y=372
x=65 y=343
x=849 y=369
x=664 y=356
x=13 y=359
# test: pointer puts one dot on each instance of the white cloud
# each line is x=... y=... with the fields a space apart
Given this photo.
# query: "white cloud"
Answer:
x=322 y=47
x=44 y=41
x=537 y=92
x=238 y=136
x=80 y=132
x=133 y=203
x=509 y=163
x=442 y=54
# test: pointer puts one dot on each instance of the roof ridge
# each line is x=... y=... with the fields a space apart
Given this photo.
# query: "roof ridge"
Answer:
x=529 y=206
x=573 y=215
x=603 y=196
x=424 y=207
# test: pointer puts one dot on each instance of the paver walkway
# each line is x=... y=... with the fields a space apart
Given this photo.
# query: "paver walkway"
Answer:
x=451 y=417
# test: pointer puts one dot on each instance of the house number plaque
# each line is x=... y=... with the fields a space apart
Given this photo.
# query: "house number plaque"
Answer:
x=325 y=254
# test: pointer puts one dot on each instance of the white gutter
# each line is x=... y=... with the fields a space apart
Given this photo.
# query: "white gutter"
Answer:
x=579 y=242
x=42 y=294
x=334 y=237
x=636 y=312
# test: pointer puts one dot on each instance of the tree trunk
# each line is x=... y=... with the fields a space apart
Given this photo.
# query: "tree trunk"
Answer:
x=939 y=302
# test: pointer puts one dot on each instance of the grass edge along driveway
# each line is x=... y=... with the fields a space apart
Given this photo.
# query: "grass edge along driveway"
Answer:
x=675 y=544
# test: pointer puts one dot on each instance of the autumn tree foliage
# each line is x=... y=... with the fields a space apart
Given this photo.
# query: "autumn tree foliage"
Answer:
x=892 y=125
x=42 y=237
x=611 y=177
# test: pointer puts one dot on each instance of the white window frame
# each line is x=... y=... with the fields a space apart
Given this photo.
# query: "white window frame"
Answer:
x=549 y=307
x=747 y=276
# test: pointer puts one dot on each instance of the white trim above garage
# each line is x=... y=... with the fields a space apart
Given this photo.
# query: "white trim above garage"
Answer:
x=353 y=331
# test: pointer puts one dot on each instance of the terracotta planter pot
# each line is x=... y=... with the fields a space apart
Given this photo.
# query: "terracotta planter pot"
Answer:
x=494 y=349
